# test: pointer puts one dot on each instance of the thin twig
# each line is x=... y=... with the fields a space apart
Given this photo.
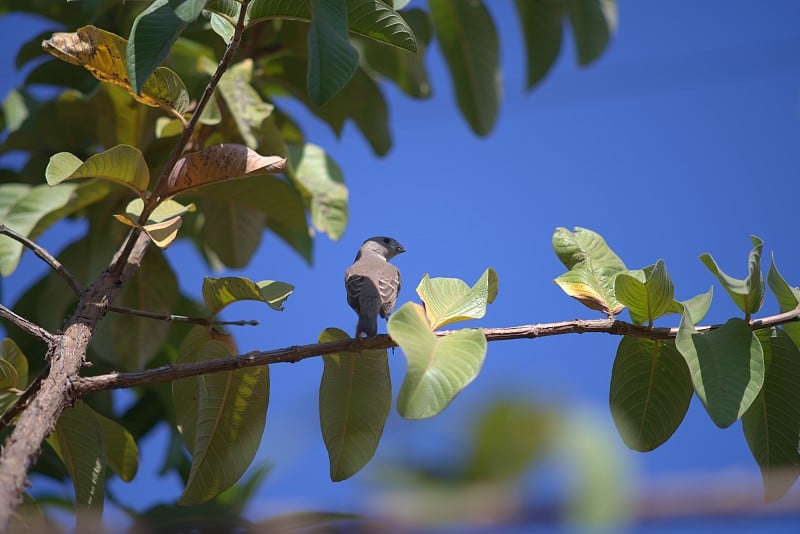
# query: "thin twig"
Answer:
x=48 y=258
x=203 y=321
x=26 y=325
x=168 y=373
x=180 y=146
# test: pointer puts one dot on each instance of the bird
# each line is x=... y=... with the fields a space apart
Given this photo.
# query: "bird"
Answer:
x=373 y=283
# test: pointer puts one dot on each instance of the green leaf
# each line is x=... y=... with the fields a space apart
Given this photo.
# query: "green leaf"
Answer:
x=593 y=22
x=243 y=101
x=650 y=391
x=321 y=183
x=79 y=443
x=220 y=292
x=748 y=294
x=697 y=306
x=122 y=164
x=449 y=300
x=772 y=424
x=123 y=454
x=275 y=198
x=727 y=367
x=355 y=396
x=508 y=436
x=231 y=409
x=438 y=367
x=542 y=29
x=592 y=268
x=103 y=54
x=185 y=392
x=404 y=68
x=469 y=43
x=9 y=379
x=153 y=288
x=25 y=207
x=788 y=299
x=230 y=232
x=647 y=293
x=332 y=60
x=154 y=31
x=12 y=354
x=368 y=18
x=166 y=209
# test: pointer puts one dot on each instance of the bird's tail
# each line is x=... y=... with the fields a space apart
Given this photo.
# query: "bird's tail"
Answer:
x=367 y=325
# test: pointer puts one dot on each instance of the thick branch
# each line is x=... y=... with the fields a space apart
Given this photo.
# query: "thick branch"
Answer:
x=25 y=325
x=168 y=317
x=168 y=373
x=48 y=258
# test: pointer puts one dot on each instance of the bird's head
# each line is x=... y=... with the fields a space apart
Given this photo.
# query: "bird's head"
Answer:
x=384 y=246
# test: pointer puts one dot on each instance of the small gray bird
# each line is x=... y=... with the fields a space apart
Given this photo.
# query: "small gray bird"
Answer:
x=373 y=283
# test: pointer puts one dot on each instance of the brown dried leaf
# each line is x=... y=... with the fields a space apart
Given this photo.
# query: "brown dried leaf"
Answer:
x=218 y=163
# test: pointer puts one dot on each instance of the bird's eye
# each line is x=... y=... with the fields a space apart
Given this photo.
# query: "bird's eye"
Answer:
x=386 y=240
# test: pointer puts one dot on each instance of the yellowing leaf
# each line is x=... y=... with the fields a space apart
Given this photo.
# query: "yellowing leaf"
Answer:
x=103 y=54
x=218 y=163
x=167 y=209
x=164 y=233
x=448 y=300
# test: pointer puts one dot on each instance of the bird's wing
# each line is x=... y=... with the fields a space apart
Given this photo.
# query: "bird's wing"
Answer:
x=389 y=287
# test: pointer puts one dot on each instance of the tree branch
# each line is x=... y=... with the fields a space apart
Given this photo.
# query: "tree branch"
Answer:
x=84 y=385
x=180 y=146
x=48 y=258
x=203 y=321
x=26 y=326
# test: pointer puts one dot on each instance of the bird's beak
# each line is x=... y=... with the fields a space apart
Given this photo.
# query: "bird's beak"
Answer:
x=398 y=249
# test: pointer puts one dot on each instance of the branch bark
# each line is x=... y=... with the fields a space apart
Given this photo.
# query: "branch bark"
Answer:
x=168 y=373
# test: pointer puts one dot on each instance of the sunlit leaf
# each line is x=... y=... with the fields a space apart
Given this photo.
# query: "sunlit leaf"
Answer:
x=166 y=209
x=244 y=103
x=103 y=54
x=122 y=164
x=449 y=300
x=747 y=293
x=9 y=378
x=650 y=391
x=648 y=293
x=219 y=163
x=322 y=184
x=220 y=292
x=355 y=396
x=697 y=306
x=468 y=39
x=727 y=367
x=438 y=367
x=22 y=208
x=592 y=268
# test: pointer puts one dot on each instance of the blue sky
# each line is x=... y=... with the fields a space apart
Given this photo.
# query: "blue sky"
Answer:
x=681 y=139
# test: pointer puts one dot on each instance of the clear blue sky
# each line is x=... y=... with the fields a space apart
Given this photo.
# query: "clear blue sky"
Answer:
x=682 y=139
